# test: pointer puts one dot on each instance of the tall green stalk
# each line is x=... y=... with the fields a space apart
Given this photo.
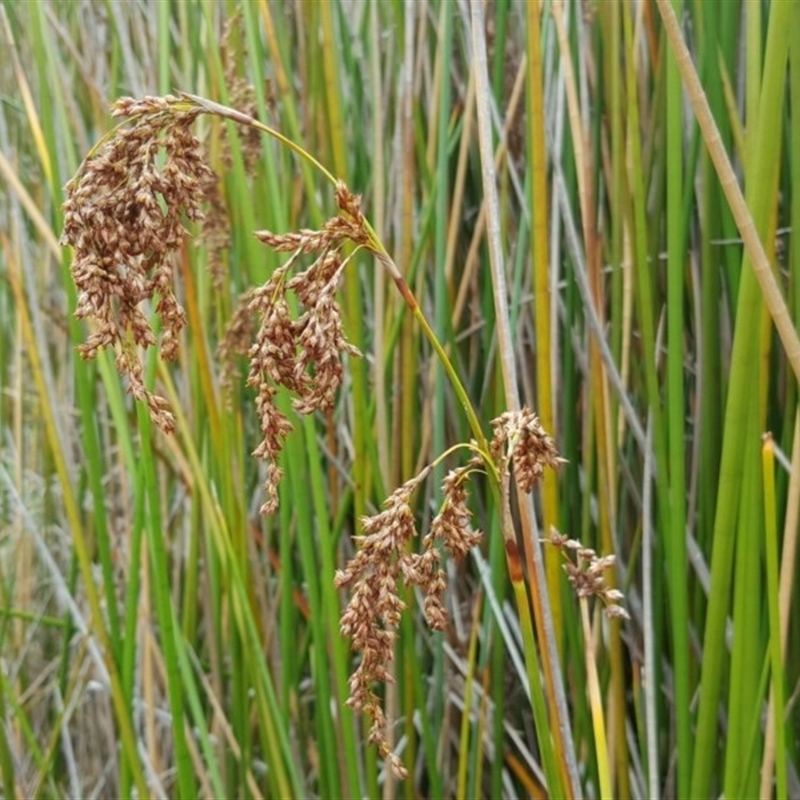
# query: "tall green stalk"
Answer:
x=759 y=182
x=676 y=412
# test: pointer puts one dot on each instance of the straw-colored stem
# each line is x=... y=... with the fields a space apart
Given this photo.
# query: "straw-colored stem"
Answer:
x=775 y=746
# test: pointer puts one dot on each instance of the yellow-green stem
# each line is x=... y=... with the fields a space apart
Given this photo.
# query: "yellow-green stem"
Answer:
x=128 y=739
x=596 y=704
x=776 y=737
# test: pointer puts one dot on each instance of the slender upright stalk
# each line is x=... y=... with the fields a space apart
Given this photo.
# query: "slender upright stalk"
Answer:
x=596 y=703
x=506 y=352
x=777 y=734
x=676 y=412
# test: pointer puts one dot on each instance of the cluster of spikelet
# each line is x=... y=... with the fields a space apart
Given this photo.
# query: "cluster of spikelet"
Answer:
x=124 y=217
x=585 y=570
x=384 y=558
x=302 y=352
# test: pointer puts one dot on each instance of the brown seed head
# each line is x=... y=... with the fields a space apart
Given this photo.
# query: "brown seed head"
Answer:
x=299 y=351
x=585 y=572
x=123 y=216
x=520 y=438
x=383 y=559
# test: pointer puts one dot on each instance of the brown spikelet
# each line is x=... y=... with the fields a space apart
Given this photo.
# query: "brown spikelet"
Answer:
x=373 y=613
x=520 y=438
x=124 y=217
x=299 y=351
x=383 y=560
x=585 y=573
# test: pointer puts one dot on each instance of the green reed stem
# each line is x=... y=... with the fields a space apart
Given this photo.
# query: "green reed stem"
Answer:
x=166 y=617
x=676 y=435
x=775 y=646
x=751 y=219
x=776 y=50
x=537 y=698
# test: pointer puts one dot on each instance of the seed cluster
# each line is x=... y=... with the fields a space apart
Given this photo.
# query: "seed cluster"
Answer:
x=373 y=614
x=520 y=437
x=585 y=573
x=300 y=352
x=384 y=558
x=124 y=217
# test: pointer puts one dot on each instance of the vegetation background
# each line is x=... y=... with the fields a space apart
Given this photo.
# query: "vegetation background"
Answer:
x=158 y=637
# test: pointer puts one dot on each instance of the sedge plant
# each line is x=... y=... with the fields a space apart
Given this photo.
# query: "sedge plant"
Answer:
x=579 y=238
x=125 y=217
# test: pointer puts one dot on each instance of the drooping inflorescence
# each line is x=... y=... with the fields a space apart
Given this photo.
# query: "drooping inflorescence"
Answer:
x=125 y=216
x=384 y=558
x=299 y=350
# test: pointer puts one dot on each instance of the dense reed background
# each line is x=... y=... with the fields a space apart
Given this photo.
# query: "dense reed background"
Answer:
x=157 y=636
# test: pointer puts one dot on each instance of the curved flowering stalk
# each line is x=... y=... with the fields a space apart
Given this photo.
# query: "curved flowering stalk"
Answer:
x=123 y=216
x=101 y=213
x=350 y=207
x=519 y=446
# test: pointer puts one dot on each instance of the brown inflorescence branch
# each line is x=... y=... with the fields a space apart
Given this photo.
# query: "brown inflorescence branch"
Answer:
x=585 y=573
x=520 y=438
x=384 y=558
x=301 y=352
x=124 y=216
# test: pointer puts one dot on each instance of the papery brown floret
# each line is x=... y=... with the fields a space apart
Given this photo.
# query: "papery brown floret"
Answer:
x=124 y=217
x=520 y=438
x=585 y=572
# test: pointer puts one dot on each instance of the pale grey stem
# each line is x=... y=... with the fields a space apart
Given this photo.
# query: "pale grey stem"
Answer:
x=506 y=354
x=650 y=672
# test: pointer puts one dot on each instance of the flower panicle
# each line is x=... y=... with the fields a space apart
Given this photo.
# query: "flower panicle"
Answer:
x=125 y=215
x=299 y=350
x=124 y=218
x=384 y=559
x=520 y=439
x=585 y=573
